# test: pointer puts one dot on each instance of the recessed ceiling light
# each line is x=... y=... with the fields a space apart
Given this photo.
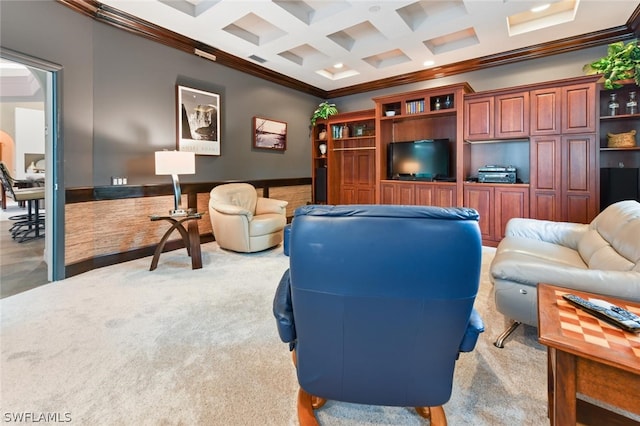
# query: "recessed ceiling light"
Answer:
x=338 y=65
x=540 y=8
x=559 y=12
x=374 y=9
x=428 y=63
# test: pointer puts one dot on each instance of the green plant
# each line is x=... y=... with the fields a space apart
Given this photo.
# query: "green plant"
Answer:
x=324 y=110
x=621 y=63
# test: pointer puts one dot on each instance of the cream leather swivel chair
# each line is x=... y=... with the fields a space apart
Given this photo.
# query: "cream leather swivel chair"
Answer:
x=244 y=222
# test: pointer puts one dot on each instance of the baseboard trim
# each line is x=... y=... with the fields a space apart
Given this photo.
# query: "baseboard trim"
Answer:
x=113 y=259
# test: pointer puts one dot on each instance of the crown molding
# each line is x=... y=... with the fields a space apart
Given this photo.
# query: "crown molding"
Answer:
x=132 y=24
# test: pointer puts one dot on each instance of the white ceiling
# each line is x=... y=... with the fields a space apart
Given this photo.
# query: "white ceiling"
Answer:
x=373 y=39
x=18 y=82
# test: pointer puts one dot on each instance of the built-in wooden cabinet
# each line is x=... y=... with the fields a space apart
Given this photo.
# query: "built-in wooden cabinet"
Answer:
x=559 y=130
x=504 y=116
x=619 y=165
x=480 y=197
x=510 y=201
x=397 y=193
x=344 y=170
x=546 y=177
x=564 y=178
x=579 y=108
x=545 y=108
x=478 y=118
x=319 y=161
x=512 y=115
x=442 y=194
x=580 y=175
x=424 y=114
x=548 y=131
x=496 y=204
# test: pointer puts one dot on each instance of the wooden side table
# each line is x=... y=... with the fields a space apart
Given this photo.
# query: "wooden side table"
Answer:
x=587 y=356
x=190 y=237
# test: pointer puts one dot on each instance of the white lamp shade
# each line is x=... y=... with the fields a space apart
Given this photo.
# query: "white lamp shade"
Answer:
x=175 y=163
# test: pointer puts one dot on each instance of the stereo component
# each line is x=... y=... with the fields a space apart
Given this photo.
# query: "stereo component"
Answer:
x=497 y=174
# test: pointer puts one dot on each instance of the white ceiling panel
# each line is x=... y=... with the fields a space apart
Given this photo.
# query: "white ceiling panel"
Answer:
x=374 y=39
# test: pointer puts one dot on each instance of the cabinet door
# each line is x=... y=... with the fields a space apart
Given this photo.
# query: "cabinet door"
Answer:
x=435 y=195
x=512 y=115
x=365 y=176
x=545 y=112
x=478 y=118
x=579 y=108
x=404 y=193
x=445 y=196
x=480 y=198
x=579 y=178
x=546 y=177
x=365 y=196
x=509 y=203
x=397 y=193
x=347 y=195
x=386 y=193
x=357 y=177
x=425 y=195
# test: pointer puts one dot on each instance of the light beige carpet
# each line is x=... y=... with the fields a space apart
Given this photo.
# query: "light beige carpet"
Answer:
x=124 y=346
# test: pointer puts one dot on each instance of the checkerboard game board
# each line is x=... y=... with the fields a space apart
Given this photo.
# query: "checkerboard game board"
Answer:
x=581 y=325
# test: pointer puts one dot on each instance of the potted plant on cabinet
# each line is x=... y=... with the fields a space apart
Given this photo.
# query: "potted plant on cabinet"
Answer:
x=324 y=110
x=622 y=62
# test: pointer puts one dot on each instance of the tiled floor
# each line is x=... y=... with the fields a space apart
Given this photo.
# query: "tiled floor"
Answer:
x=22 y=265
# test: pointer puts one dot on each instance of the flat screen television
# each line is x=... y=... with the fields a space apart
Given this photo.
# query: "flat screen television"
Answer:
x=426 y=159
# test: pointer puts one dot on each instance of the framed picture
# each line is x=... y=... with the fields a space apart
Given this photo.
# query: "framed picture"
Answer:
x=269 y=134
x=198 y=121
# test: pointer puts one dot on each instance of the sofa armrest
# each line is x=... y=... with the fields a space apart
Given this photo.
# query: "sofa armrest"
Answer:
x=233 y=210
x=283 y=311
x=474 y=328
x=270 y=205
x=564 y=233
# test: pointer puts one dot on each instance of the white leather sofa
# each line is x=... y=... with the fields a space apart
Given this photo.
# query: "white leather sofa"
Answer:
x=601 y=257
x=244 y=222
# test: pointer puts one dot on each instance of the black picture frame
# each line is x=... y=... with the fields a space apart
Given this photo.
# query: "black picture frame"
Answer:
x=198 y=121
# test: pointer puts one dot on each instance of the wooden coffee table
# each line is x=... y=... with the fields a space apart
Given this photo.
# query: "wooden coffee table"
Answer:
x=587 y=356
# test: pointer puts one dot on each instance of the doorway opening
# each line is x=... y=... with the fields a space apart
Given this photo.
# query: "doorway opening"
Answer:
x=31 y=149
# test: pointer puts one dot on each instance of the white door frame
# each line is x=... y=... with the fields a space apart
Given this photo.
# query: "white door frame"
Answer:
x=54 y=182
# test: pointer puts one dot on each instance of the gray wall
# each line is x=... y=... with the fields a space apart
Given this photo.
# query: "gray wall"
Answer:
x=118 y=101
x=118 y=98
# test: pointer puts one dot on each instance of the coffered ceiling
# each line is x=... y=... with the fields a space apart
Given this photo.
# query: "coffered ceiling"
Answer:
x=373 y=40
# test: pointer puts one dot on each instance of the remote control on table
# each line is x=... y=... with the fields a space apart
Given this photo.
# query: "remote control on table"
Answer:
x=611 y=313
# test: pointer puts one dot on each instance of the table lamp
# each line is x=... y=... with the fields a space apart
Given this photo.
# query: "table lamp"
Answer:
x=174 y=163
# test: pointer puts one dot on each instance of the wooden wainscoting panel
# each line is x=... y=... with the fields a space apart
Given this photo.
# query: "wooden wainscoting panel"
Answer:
x=99 y=228
x=95 y=229
x=297 y=196
x=204 y=226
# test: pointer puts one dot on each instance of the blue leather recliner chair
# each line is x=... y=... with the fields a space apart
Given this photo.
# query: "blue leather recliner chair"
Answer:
x=378 y=303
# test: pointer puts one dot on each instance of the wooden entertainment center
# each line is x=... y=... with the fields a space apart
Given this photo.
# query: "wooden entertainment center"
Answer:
x=553 y=133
